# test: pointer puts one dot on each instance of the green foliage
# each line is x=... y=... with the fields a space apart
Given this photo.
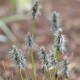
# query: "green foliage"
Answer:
x=7 y=31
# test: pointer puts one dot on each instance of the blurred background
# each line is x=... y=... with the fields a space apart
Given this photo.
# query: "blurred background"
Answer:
x=15 y=22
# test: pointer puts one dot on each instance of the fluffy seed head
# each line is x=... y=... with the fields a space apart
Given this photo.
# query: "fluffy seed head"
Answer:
x=65 y=69
x=36 y=9
x=62 y=43
x=17 y=57
x=43 y=55
x=56 y=22
x=29 y=41
x=44 y=58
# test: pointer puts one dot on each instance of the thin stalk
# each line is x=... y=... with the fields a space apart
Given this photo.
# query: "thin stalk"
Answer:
x=31 y=52
x=33 y=65
x=57 y=56
x=33 y=28
x=26 y=74
x=55 y=71
x=56 y=66
x=50 y=76
x=21 y=75
x=43 y=77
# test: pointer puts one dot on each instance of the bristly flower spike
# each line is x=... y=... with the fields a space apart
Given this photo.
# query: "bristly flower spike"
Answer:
x=54 y=61
x=53 y=58
x=36 y=9
x=62 y=43
x=56 y=21
x=29 y=41
x=65 y=69
x=18 y=58
x=44 y=58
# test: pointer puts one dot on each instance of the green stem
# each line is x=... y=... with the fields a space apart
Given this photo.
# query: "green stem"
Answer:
x=56 y=67
x=50 y=75
x=57 y=55
x=33 y=65
x=33 y=28
x=31 y=52
x=43 y=77
x=55 y=72
x=57 y=58
x=26 y=74
x=21 y=75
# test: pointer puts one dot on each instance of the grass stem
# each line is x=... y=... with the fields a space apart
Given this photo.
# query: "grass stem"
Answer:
x=50 y=76
x=43 y=76
x=26 y=74
x=21 y=75
x=33 y=65
x=33 y=28
x=31 y=52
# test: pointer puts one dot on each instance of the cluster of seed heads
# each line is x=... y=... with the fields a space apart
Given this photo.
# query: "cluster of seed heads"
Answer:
x=59 y=46
x=59 y=38
x=49 y=61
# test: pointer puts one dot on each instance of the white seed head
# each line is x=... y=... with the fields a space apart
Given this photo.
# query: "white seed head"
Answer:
x=56 y=22
x=29 y=41
x=17 y=57
x=42 y=53
x=44 y=58
x=58 y=32
x=62 y=43
x=53 y=58
x=65 y=69
x=36 y=9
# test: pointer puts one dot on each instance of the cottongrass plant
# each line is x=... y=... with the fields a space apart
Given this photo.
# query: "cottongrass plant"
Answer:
x=18 y=57
x=59 y=45
x=30 y=44
x=50 y=61
x=29 y=41
x=36 y=9
x=43 y=57
x=46 y=62
x=30 y=36
x=19 y=60
x=35 y=12
x=55 y=21
x=65 y=68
